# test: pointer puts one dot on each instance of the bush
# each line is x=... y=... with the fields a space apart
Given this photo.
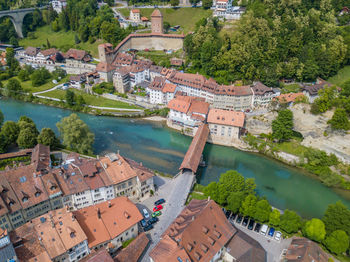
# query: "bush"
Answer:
x=337 y=242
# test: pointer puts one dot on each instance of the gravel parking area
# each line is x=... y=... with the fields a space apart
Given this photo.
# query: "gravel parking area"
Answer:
x=175 y=192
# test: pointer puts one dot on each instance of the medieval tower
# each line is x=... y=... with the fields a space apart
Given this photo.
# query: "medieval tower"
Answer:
x=157 y=22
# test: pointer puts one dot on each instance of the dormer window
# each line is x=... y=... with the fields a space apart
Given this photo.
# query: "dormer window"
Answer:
x=37 y=194
x=24 y=199
x=53 y=187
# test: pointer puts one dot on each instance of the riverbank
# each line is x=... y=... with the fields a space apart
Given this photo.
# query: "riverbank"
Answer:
x=160 y=148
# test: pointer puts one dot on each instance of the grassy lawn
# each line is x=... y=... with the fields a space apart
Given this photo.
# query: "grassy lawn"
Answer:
x=342 y=76
x=292 y=147
x=61 y=40
x=90 y=99
x=184 y=17
x=27 y=85
x=159 y=56
x=195 y=195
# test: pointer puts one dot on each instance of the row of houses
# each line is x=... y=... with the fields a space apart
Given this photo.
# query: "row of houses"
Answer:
x=32 y=190
x=201 y=232
x=72 y=58
x=225 y=9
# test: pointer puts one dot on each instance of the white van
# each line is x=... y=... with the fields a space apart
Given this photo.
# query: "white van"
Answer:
x=145 y=213
x=264 y=229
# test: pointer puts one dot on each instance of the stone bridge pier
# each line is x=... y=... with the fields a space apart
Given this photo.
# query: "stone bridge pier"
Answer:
x=17 y=16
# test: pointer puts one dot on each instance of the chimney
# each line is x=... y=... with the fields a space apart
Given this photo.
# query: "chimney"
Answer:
x=118 y=151
x=109 y=204
x=98 y=213
x=140 y=163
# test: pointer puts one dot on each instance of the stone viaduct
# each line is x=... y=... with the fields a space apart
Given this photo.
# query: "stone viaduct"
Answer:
x=17 y=17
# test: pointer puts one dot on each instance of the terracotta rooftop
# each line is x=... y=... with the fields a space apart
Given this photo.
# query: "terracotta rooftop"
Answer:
x=135 y=10
x=59 y=231
x=156 y=13
x=226 y=117
x=77 y=55
x=107 y=220
x=234 y=90
x=123 y=59
x=179 y=105
x=28 y=186
x=117 y=168
x=199 y=232
x=169 y=88
x=41 y=157
x=192 y=80
x=24 y=152
x=260 y=89
x=49 y=52
x=32 y=51
x=8 y=201
x=194 y=152
x=198 y=106
x=176 y=61
x=143 y=173
x=104 y=67
x=101 y=255
x=305 y=250
x=246 y=249
x=157 y=83
x=134 y=250
x=288 y=98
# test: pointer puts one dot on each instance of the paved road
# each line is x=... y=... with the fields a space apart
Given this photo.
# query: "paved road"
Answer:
x=54 y=88
x=273 y=248
x=175 y=192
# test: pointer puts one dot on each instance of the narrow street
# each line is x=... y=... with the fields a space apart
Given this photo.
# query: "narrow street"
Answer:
x=174 y=191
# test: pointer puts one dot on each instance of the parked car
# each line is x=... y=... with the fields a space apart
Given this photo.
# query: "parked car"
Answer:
x=157 y=208
x=257 y=227
x=156 y=214
x=153 y=220
x=145 y=213
x=264 y=229
x=245 y=221
x=239 y=219
x=148 y=227
x=271 y=232
x=143 y=223
x=233 y=216
x=278 y=235
x=159 y=202
x=251 y=224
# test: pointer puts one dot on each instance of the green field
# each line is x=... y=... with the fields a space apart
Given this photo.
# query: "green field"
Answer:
x=185 y=17
x=342 y=76
x=159 y=57
x=90 y=99
x=61 y=40
x=27 y=85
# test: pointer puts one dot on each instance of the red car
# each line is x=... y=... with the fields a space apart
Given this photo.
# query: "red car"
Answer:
x=157 y=208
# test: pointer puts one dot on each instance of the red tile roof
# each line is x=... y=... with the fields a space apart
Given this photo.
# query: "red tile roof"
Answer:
x=24 y=152
x=199 y=232
x=156 y=13
x=105 y=67
x=107 y=220
x=304 y=250
x=135 y=10
x=101 y=255
x=179 y=105
x=226 y=117
x=134 y=250
x=234 y=90
x=169 y=88
x=76 y=54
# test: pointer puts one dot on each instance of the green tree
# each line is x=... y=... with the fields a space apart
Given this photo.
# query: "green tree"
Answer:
x=10 y=130
x=337 y=242
x=23 y=75
x=48 y=138
x=27 y=138
x=174 y=2
x=40 y=76
x=234 y=201
x=282 y=126
x=13 y=88
x=70 y=97
x=274 y=218
x=290 y=221
x=337 y=217
x=11 y=61
x=263 y=210
x=166 y=26
x=75 y=134
x=248 y=207
x=340 y=120
x=206 y=4
x=314 y=229
x=1 y=118
x=3 y=143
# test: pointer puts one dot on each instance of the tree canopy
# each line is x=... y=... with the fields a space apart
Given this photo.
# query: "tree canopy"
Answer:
x=282 y=126
x=337 y=242
x=315 y=229
x=75 y=134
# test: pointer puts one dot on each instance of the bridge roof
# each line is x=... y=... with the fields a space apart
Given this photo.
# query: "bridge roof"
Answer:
x=194 y=152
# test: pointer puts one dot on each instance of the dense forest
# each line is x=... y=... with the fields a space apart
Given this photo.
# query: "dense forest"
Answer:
x=273 y=40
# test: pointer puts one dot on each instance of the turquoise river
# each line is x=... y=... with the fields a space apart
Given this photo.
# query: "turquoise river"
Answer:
x=161 y=148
